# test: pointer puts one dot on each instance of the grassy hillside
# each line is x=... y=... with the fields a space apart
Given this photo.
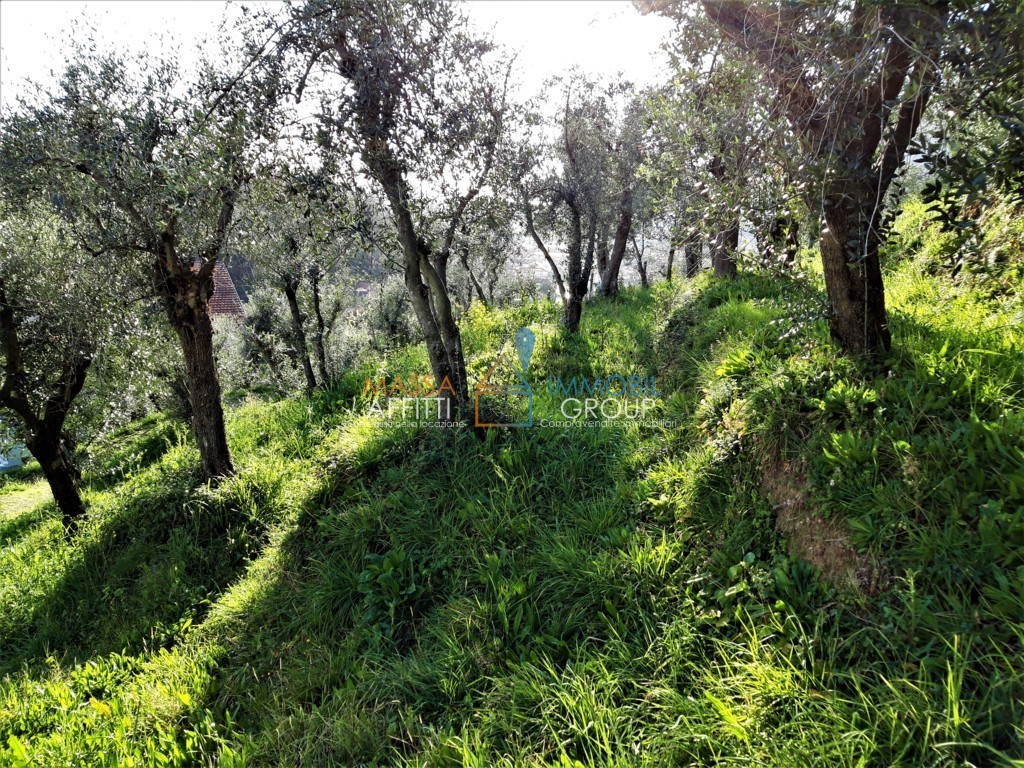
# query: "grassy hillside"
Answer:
x=823 y=565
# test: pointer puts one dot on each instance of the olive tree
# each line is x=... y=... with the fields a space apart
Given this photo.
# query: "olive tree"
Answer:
x=156 y=164
x=296 y=230
x=570 y=191
x=61 y=309
x=853 y=79
x=486 y=244
x=420 y=102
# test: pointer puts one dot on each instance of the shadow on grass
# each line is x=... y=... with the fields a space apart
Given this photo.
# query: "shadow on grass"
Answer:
x=18 y=526
x=134 y=578
x=388 y=599
x=131 y=449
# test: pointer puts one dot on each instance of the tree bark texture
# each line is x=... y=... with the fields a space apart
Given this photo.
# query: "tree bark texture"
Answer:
x=290 y=286
x=186 y=296
x=51 y=450
x=863 y=130
x=723 y=259
x=610 y=275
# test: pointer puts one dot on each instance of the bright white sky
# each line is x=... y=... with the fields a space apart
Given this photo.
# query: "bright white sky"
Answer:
x=599 y=36
x=605 y=37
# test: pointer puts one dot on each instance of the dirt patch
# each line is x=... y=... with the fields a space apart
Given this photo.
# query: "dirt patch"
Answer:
x=822 y=542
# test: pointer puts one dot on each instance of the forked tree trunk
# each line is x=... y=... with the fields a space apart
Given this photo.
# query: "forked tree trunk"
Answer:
x=444 y=347
x=432 y=306
x=425 y=283
x=289 y=285
x=47 y=441
x=610 y=275
x=474 y=283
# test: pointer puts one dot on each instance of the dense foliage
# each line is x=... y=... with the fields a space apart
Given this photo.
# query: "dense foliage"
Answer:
x=807 y=550
x=638 y=596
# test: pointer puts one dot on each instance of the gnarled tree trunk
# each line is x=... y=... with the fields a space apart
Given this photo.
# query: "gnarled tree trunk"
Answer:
x=610 y=275
x=186 y=296
x=853 y=278
x=862 y=127
x=44 y=423
x=52 y=451
x=723 y=258
x=290 y=286
x=427 y=292
x=442 y=336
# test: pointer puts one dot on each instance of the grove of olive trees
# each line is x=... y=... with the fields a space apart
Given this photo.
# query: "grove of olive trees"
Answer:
x=422 y=382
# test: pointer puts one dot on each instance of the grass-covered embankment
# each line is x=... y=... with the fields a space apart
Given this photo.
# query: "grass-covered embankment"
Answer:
x=619 y=596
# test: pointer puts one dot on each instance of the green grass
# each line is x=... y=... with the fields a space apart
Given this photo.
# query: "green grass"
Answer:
x=558 y=597
x=19 y=496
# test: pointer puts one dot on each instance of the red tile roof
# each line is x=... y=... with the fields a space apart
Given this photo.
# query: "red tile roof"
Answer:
x=225 y=299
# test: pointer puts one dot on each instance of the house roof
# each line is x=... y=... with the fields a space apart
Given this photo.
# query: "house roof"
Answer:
x=225 y=300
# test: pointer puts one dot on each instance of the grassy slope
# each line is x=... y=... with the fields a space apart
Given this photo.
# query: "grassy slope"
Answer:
x=549 y=597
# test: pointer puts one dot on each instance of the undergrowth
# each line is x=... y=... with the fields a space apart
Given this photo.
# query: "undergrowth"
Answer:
x=554 y=596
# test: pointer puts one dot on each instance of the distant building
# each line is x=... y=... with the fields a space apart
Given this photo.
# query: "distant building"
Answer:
x=362 y=291
x=225 y=301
